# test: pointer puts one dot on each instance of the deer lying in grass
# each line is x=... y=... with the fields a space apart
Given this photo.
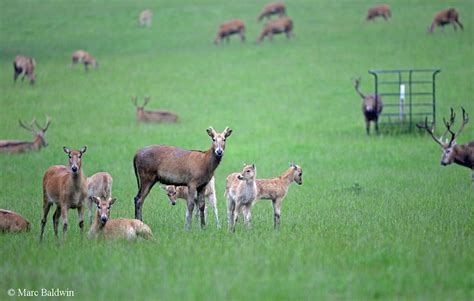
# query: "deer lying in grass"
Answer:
x=272 y=9
x=153 y=116
x=446 y=17
x=119 y=228
x=99 y=185
x=145 y=18
x=67 y=188
x=282 y=25
x=181 y=192
x=371 y=107
x=17 y=146
x=379 y=11
x=171 y=165
x=24 y=66
x=12 y=222
x=83 y=57
x=229 y=28
x=462 y=154
x=241 y=192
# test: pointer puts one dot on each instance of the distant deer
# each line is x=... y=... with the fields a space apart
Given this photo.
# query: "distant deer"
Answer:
x=12 y=222
x=229 y=28
x=83 y=57
x=24 y=66
x=17 y=146
x=282 y=25
x=462 y=154
x=119 y=228
x=145 y=18
x=67 y=188
x=171 y=165
x=272 y=9
x=379 y=11
x=99 y=185
x=446 y=17
x=153 y=116
x=371 y=107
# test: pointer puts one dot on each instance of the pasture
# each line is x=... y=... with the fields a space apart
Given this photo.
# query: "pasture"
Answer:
x=377 y=217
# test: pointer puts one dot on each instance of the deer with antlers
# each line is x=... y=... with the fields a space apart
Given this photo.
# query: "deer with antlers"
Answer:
x=153 y=116
x=371 y=107
x=462 y=154
x=18 y=146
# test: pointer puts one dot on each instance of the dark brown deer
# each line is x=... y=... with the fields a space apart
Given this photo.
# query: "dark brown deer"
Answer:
x=462 y=154
x=272 y=9
x=12 y=222
x=24 y=66
x=371 y=107
x=83 y=57
x=282 y=25
x=171 y=165
x=229 y=28
x=379 y=11
x=446 y=17
x=17 y=146
x=153 y=116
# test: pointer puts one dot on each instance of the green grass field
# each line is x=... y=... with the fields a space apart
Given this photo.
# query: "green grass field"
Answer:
x=376 y=217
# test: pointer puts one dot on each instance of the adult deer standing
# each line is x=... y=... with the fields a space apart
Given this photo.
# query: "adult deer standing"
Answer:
x=371 y=107
x=153 y=116
x=17 y=146
x=462 y=154
x=67 y=188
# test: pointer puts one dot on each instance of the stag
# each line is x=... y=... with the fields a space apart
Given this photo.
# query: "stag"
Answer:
x=17 y=146
x=153 y=116
x=371 y=107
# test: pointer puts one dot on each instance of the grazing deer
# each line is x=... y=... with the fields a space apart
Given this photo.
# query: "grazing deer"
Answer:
x=377 y=11
x=462 y=154
x=371 y=107
x=171 y=165
x=67 y=188
x=99 y=185
x=272 y=9
x=181 y=192
x=282 y=25
x=145 y=18
x=17 y=146
x=24 y=66
x=119 y=228
x=229 y=28
x=153 y=116
x=241 y=192
x=83 y=57
x=12 y=222
x=445 y=17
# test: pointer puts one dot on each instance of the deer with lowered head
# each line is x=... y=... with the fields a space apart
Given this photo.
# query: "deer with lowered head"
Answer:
x=172 y=165
x=446 y=17
x=145 y=18
x=379 y=11
x=99 y=185
x=281 y=25
x=371 y=107
x=461 y=154
x=84 y=57
x=153 y=116
x=229 y=28
x=17 y=146
x=12 y=222
x=24 y=66
x=65 y=187
x=272 y=9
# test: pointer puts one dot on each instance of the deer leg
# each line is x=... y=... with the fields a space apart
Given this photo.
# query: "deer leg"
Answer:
x=80 y=213
x=213 y=202
x=64 y=218
x=46 y=207
x=276 y=213
x=143 y=191
x=190 y=208
x=56 y=216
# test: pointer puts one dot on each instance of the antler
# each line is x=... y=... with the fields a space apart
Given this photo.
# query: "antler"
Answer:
x=48 y=122
x=431 y=132
x=28 y=127
x=356 y=86
x=134 y=100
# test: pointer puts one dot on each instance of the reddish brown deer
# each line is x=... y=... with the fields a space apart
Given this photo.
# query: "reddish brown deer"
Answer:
x=18 y=146
x=446 y=17
x=229 y=28
x=12 y=222
x=24 y=66
x=372 y=106
x=462 y=154
x=153 y=116
x=84 y=57
x=379 y=11
x=145 y=18
x=282 y=25
x=272 y=9
x=99 y=185
x=171 y=165
x=67 y=188
x=119 y=228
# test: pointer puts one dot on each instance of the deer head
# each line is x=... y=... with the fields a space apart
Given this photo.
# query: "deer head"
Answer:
x=103 y=208
x=75 y=158
x=38 y=132
x=218 y=140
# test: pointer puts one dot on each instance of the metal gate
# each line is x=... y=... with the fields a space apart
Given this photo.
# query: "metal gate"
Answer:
x=408 y=95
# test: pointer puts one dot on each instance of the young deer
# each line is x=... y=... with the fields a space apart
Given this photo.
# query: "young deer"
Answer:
x=229 y=28
x=379 y=11
x=272 y=9
x=446 y=17
x=83 y=57
x=145 y=18
x=119 y=228
x=181 y=192
x=67 y=188
x=282 y=25
x=17 y=146
x=153 y=116
x=99 y=185
x=241 y=192
x=171 y=165
x=12 y=222
x=371 y=107
x=462 y=154
x=24 y=66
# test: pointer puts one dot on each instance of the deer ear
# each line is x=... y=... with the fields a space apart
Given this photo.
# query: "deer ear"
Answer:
x=227 y=132
x=66 y=150
x=211 y=132
x=83 y=150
